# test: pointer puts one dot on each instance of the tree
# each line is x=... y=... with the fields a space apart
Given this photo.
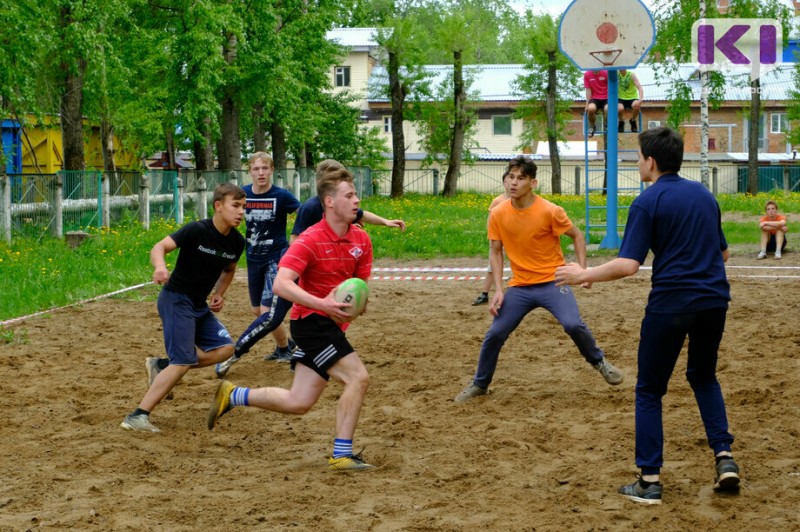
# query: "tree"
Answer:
x=402 y=40
x=773 y=9
x=547 y=70
x=674 y=23
x=674 y=29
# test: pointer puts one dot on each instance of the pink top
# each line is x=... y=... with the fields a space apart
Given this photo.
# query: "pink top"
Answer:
x=597 y=80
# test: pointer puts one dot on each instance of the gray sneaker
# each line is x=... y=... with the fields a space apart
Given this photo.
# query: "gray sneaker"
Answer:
x=638 y=493
x=472 y=390
x=727 y=476
x=611 y=374
x=222 y=368
x=140 y=423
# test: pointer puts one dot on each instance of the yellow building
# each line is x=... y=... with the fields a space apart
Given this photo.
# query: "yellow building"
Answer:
x=42 y=153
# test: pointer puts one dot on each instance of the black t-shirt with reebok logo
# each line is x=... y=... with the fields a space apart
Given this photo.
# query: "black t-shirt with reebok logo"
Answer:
x=204 y=253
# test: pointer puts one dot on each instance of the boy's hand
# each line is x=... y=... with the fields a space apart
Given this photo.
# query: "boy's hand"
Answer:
x=216 y=303
x=161 y=275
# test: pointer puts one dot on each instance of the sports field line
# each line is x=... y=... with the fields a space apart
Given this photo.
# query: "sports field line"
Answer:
x=96 y=298
x=413 y=269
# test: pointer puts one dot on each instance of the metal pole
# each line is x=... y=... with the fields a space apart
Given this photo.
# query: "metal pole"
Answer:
x=5 y=206
x=612 y=240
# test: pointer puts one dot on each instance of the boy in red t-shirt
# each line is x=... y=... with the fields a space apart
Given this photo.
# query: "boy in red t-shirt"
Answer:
x=596 y=84
x=323 y=256
x=773 y=231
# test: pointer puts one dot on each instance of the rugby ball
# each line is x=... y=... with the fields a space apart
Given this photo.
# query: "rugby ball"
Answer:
x=355 y=292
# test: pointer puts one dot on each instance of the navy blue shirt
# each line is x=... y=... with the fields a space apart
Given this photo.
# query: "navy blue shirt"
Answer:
x=311 y=212
x=204 y=253
x=681 y=222
x=265 y=215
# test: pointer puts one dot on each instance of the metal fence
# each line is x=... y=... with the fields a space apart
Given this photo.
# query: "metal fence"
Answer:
x=39 y=205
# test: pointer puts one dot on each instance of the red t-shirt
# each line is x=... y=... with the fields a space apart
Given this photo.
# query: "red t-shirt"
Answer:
x=597 y=80
x=324 y=260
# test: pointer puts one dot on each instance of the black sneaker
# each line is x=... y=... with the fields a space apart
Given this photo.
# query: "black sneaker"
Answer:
x=638 y=493
x=621 y=127
x=282 y=354
x=727 y=475
x=591 y=131
x=634 y=126
x=481 y=300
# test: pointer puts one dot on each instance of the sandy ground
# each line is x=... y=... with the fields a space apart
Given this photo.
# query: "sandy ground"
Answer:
x=545 y=450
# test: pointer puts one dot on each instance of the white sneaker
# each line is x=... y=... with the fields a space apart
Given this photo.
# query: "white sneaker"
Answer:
x=761 y=255
x=223 y=368
x=612 y=375
x=472 y=390
x=140 y=423
x=777 y=255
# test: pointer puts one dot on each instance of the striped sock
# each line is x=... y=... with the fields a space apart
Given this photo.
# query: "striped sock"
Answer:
x=239 y=396
x=342 y=448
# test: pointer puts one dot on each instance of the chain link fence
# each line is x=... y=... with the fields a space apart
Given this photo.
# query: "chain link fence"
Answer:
x=36 y=206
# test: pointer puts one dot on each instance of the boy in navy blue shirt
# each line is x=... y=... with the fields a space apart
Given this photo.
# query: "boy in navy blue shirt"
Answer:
x=680 y=221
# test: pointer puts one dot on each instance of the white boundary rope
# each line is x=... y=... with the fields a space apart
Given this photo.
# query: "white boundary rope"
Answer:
x=96 y=298
x=414 y=269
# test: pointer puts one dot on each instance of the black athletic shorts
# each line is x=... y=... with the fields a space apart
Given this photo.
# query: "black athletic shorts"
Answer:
x=600 y=104
x=627 y=104
x=320 y=343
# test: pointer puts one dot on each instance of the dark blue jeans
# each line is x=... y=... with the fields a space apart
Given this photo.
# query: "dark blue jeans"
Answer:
x=661 y=341
x=517 y=303
x=263 y=325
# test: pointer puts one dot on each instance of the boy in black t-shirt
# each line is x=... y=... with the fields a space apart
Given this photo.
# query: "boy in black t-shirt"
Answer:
x=193 y=336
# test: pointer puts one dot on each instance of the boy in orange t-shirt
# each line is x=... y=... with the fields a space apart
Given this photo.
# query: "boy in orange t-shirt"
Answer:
x=773 y=231
x=529 y=228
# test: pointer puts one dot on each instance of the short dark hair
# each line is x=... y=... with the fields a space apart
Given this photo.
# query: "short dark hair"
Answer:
x=329 y=180
x=663 y=144
x=525 y=164
x=227 y=189
x=771 y=202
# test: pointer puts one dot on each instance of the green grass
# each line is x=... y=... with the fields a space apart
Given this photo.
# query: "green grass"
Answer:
x=36 y=276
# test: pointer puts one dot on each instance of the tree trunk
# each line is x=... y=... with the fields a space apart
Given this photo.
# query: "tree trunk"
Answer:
x=230 y=156
x=459 y=127
x=72 y=115
x=398 y=95
x=752 y=139
x=107 y=146
x=204 y=149
x=278 y=136
x=552 y=137
x=170 y=138
x=704 y=178
x=259 y=129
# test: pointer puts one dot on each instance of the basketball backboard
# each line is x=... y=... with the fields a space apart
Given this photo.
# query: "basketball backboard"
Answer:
x=606 y=34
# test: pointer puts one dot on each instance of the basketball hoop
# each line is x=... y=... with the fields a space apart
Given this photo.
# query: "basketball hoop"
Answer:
x=613 y=34
x=606 y=57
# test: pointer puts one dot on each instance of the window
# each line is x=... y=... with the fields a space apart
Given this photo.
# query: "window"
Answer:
x=387 y=124
x=342 y=75
x=779 y=123
x=762 y=137
x=501 y=125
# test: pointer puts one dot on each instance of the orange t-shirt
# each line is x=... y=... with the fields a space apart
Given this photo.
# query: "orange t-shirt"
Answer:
x=778 y=218
x=531 y=239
